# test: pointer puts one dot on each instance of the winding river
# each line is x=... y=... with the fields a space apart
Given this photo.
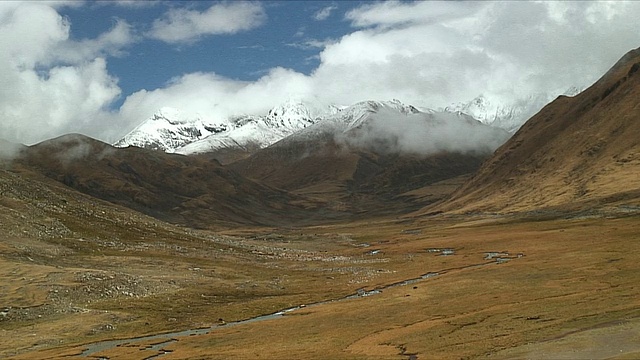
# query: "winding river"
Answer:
x=159 y=341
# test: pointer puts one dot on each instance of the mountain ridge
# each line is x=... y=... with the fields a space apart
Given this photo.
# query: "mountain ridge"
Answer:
x=184 y=190
x=576 y=153
x=363 y=158
x=171 y=131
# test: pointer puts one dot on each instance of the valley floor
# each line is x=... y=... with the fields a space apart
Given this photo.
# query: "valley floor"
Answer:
x=483 y=287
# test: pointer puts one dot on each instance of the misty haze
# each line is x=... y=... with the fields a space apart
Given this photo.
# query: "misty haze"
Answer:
x=425 y=134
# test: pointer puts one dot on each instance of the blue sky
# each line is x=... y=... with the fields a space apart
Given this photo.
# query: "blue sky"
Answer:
x=101 y=68
x=282 y=40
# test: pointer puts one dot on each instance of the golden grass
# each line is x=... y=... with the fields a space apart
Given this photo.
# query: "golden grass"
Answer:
x=575 y=284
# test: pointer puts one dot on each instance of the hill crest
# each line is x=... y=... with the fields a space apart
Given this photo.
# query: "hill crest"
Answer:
x=577 y=152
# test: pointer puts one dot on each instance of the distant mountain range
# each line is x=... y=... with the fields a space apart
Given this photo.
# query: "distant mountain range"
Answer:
x=308 y=165
x=174 y=131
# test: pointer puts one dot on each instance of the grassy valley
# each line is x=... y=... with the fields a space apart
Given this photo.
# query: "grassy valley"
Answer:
x=132 y=254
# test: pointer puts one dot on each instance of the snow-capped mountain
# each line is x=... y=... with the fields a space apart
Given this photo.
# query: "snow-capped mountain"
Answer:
x=170 y=129
x=173 y=131
x=345 y=118
x=508 y=116
x=256 y=132
x=391 y=126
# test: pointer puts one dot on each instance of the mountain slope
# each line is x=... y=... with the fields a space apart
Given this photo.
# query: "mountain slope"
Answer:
x=174 y=188
x=250 y=133
x=575 y=153
x=366 y=157
x=237 y=137
x=171 y=131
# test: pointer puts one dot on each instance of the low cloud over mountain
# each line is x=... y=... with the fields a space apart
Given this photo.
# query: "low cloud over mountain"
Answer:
x=427 y=53
x=579 y=152
x=424 y=133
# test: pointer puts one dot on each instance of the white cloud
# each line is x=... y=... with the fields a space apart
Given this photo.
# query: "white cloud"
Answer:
x=51 y=85
x=34 y=34
x=110 y=43
x=36 y=106
x=396 y=13
x=22 y=43
x=424 y=134
x=135 y=4
x=443 y=52
x=430 y=54
x=182 y=25
x=215 y=97
x=324 y=13
x=424 y=53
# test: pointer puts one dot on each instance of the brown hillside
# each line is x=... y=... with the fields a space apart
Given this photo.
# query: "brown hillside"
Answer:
x=358 y=181
x=179 y=189
x=576 y=153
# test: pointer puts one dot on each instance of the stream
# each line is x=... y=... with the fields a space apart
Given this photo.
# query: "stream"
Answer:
x=168 y=338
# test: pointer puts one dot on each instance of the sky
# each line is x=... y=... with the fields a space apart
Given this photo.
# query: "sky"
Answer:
x=101 y=68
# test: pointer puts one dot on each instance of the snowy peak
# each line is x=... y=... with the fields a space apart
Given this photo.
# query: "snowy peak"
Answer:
x=375 y=106
x=507 y=115
x=169 y=129
x=390 y=127
x=395 y=128
x=350 y=117
x=250 y=132
x=292 y=115
x=171 y=115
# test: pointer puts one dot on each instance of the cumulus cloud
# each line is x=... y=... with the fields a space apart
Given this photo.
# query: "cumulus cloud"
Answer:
x=35 y=106
x=182 y=25
x=424 y=134
x=214 y=98
x=428 y=54
x=452 y=51
x=50 y=84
